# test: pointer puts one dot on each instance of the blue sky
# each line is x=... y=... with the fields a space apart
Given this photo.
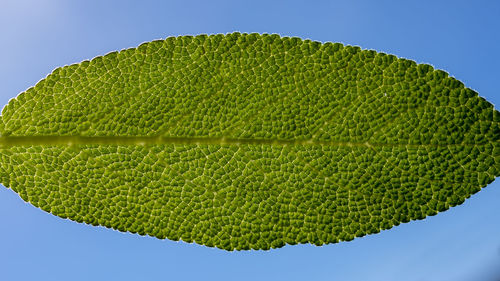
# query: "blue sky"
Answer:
x=460 y=37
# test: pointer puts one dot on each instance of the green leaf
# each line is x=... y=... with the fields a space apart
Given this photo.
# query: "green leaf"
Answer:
x=248 y=141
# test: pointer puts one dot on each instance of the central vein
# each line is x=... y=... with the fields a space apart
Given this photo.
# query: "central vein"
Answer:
x=9 y=141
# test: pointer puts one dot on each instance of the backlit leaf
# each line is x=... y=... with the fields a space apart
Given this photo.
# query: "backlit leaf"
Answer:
x=244 y=141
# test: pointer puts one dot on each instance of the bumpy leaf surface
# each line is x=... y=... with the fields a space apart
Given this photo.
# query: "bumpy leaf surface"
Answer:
x=244 y=141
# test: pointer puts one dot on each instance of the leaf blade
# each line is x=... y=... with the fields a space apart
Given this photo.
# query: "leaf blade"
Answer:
x=248 y=141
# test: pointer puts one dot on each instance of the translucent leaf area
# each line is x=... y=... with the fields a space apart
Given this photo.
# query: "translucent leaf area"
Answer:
x=248 y=141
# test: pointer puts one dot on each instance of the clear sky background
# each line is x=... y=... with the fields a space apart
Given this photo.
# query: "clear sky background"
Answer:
x=460 y=37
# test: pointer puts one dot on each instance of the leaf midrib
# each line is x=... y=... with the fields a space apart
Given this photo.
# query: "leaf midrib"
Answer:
x=10 y=141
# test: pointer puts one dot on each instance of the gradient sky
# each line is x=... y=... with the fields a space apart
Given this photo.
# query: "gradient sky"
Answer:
x=460 y=37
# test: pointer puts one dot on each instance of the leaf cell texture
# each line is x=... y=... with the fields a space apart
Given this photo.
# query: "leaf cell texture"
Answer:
x=248 y=141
